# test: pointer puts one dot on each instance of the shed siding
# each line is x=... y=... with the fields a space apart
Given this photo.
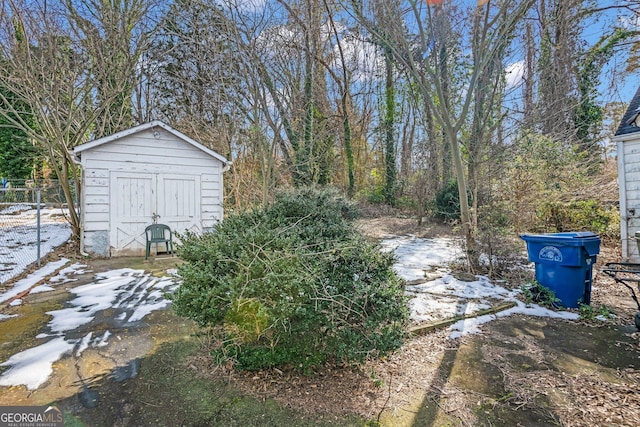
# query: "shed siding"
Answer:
x=145 y=154
x=630 y=200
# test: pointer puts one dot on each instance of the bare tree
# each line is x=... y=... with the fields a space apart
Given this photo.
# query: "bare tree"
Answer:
x=113 y=35
x=343 y=82
x=53 y=72
x=409 y=31
x=44 y=68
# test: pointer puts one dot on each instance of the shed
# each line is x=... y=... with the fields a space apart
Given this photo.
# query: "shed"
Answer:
x=149 y=173
x=627 y=140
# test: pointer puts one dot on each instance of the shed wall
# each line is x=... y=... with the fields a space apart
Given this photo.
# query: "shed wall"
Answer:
x=144 y=153
x=629 y=179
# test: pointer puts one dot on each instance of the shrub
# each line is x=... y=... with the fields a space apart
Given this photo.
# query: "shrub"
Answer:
x=446 y=204
x=590 y=313
x=540 y=294
x=582 y=215
x=374 y=195
x=292 y=283
x=498 y=249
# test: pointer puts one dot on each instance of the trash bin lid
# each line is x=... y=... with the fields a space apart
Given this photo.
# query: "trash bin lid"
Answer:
x=566 y=236
x=573 y=234
x=586 y=239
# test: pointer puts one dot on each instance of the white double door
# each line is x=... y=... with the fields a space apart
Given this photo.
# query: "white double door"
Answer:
x=135 y=198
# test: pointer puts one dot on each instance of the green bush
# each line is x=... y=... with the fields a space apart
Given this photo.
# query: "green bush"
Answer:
x=591 y=313
x=373 y=195
x=292 y=284
x=583 y=215
x=446 y=204
x=540 y=294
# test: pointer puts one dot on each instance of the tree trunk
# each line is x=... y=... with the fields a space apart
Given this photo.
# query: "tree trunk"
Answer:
x=389 y=124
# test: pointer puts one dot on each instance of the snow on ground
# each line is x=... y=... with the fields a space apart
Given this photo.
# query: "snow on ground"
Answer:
x=416 y=256
x=63 y=275
x=18 y=237
x=128 y=294
x=441 y=296
x=32 y=279
x=32 y=367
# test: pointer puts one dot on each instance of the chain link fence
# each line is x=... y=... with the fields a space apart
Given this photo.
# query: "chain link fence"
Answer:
x=33 y=222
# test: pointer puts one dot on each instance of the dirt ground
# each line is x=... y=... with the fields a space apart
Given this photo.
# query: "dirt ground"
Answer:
x=521 y=371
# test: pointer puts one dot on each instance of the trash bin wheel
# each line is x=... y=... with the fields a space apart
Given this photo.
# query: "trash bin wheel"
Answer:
x=637 y=320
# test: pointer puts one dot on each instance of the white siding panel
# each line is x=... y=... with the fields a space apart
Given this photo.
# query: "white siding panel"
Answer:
x=97 y=182
x=211 y=177
x=209 y=223
x=632 y=167
x=211 y=208
x=96 y=173
x=127 y=160
x=97 y=208
x=96 y=199
x=631 y=147
x=212 y=214
x=210 y=186
x=149 y=167
x=632 y=177
x=632 y=186
x=211 y=204
x=632 y=247
x=634 y=224
x=171 y=147
x=161 y=150
x=633 y=199
x=96 y=191
x=209 y=190
x=629 y=172
x=98 y=219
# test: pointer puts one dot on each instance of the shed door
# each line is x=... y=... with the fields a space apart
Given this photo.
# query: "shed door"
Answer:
x=132 y=204
x=179 y=202
x=136 y=197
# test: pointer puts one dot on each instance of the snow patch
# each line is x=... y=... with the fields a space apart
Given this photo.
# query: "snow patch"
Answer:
x=32 y=279
x=131 y=294
x=446 y=297
x=33 y=366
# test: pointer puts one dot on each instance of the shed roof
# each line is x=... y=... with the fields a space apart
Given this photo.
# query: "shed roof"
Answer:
x=143 y=127
x=627 y=125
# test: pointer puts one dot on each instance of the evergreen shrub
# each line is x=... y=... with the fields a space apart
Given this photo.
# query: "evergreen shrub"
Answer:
x=446 y=204
x=292 y=284
x=581 y=215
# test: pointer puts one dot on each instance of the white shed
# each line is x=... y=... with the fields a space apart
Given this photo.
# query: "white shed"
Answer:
x=146 y=173
x=627 y=139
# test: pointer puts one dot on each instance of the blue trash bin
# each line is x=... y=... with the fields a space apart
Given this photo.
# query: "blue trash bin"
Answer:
x=564 y=263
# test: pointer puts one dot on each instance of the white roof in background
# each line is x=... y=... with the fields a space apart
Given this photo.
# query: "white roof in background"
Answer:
x=156 y=123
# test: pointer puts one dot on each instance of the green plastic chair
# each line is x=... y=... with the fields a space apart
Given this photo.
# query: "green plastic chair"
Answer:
x=157 y=233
